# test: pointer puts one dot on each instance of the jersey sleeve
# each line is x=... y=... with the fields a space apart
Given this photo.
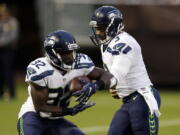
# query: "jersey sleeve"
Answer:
x=85 y=64
x=38 y=72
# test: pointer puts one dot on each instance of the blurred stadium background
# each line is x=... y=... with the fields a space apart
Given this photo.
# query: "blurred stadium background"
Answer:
x=154 y=23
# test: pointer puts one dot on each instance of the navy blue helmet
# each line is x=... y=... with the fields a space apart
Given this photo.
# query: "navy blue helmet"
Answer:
x=108 y=18
x=61 y=42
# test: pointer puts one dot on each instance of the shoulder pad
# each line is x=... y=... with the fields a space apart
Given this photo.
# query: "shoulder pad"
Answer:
x=119 y=45
x=38 y=69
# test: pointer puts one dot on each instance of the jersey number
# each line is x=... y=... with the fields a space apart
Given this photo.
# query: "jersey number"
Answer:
x=57 y=97
x=122 y=47
x=38 y=63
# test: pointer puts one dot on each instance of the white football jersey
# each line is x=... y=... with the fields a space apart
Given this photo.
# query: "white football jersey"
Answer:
x=123 y=58
x=42 y=73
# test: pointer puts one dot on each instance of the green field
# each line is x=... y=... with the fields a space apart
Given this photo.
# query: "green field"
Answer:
x=95 y=120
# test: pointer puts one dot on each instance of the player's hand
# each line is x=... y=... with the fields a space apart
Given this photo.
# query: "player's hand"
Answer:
x=87 y=91
x=77 y=108
x=81 y=107
x=114 y=93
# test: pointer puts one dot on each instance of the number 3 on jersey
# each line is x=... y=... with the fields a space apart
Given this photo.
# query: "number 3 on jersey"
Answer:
x=122 y=47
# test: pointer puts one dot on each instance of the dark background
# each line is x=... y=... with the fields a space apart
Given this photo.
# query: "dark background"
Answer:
x=156 y=28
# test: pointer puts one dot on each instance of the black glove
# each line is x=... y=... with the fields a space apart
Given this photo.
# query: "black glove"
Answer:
x=87 y=91
x=77 y=108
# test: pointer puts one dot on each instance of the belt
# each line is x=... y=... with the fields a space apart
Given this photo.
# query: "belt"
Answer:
x=134 y=95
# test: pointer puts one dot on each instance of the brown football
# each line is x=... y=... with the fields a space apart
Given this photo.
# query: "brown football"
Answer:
x=75 y=84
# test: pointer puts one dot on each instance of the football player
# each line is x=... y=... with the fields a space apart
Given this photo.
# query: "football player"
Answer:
x=48 y=78
x=122 y=57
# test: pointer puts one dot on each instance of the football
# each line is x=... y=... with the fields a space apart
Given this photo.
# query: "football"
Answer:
x=76 y=83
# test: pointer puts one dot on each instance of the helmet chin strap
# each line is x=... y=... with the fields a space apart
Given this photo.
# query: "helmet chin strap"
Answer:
x=52 y=62
x=67 y=67
x=105 y=41
x=63 y=65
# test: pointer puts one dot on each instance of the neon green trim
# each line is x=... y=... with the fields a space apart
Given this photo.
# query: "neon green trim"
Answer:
x=152 y=126
x=21 y=127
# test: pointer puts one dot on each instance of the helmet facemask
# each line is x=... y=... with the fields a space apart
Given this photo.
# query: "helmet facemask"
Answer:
x=115 y=27
x=67 y=59
x=98 y=35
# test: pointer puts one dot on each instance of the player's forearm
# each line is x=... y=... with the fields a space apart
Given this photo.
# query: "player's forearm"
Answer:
x=40 y=96
x=49 y=108
x=104 y=78
x=55 y=110
x=109 y=80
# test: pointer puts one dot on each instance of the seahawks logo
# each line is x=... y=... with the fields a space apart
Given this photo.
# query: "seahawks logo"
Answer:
x=72 y=46
x=30 y=71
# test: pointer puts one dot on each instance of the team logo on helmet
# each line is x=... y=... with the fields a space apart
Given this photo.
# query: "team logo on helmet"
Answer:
x=72 y=46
